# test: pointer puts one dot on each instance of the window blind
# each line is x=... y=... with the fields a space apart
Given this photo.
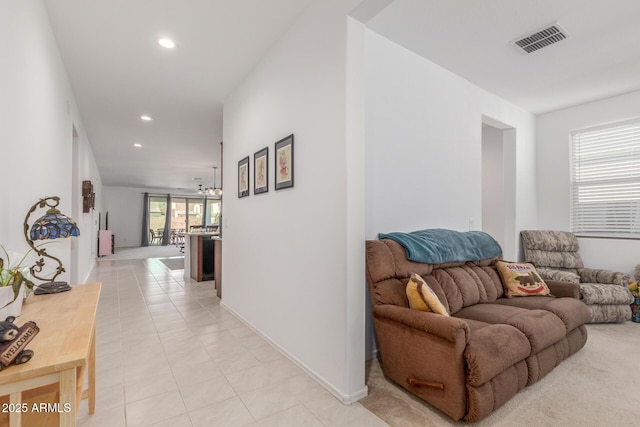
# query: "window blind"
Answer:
x=605 y=181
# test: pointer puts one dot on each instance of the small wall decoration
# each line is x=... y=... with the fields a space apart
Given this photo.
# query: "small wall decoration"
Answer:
x=261 y=171
x=88 y=197
x=243 y=177
x=284 y=163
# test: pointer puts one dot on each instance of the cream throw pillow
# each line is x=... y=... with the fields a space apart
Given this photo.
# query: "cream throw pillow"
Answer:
x=520 y=279
x=421 y=296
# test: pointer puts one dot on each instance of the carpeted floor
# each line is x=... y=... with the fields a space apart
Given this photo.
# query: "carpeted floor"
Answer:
x=598 y=386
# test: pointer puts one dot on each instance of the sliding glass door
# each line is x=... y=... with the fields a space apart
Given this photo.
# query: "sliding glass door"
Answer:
x=178 y=214
x=189 y=212
x=213 y=212
x=194 y=213
x=186 y=212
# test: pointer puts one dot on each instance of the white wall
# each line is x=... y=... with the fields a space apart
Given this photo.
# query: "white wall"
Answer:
x=85 y=248
x=424 y=150
x=37 y=116
x=424 y=146
x=553 y=183
x=288 y=255
x=124 y=206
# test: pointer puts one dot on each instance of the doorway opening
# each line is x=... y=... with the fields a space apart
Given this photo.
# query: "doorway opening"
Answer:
x=499 y=183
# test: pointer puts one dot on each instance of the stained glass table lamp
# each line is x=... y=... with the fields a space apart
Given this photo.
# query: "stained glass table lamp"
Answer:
x=52 y=225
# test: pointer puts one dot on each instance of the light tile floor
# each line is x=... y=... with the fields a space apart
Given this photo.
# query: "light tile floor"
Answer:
x=167 y=354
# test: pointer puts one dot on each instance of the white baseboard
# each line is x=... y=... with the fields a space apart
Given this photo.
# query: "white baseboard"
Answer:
x=86 y=277
x=346 y=399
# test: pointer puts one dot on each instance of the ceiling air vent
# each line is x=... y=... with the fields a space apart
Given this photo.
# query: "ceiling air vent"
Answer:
x=543 y=38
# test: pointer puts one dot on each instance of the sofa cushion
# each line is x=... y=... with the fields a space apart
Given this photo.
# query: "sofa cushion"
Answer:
x=551 y=248
x=569 y=260
x=599 y=275
x=550 y=240
x=422 y=297
x=598 y=293
x=541 y=363
x=521 y=279
x=389 y=291
x=609 y=313
x=492 y=349
x=489 y=313
x=571 y=311
x=570 y=276
x=402 y=266
x=542 y=328
x=466 y=284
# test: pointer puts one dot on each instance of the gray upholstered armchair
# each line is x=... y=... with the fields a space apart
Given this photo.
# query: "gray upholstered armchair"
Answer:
x=555 y=254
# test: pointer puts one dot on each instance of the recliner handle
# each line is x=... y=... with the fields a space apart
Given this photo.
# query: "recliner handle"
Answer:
x=415 y=382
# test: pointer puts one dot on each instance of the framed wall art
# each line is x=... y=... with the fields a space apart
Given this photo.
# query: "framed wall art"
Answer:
x=284 y=163
x=243 y=177
x=261 y=171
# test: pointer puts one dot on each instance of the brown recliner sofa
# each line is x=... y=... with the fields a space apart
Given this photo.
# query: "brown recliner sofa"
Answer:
x=491 y=347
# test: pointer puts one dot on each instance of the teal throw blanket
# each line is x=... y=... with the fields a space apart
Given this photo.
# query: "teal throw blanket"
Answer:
x=437 y=246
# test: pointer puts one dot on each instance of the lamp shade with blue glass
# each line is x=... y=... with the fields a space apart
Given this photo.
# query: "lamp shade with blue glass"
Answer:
x=52 y=225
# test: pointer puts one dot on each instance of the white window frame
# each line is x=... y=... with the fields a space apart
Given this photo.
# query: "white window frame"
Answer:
x=605 y=180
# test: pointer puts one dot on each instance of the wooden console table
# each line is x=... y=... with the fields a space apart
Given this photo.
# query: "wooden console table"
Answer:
x=63 y=350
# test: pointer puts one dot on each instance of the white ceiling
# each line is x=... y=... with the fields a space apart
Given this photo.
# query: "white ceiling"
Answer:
x=472 y=38
x=118 y=71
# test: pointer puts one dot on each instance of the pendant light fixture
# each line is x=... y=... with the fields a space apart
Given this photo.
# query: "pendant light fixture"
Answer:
x=216 y=191
x=211 y=191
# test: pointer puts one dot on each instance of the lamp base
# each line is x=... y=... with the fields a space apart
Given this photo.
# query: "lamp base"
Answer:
x=51 y=288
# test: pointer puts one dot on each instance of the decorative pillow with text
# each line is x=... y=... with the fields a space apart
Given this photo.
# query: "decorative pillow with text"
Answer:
x=520 y=279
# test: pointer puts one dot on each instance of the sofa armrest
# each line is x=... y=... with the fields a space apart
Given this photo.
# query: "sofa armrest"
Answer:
x=563 y=289
x=435 y=324
x=558 y=275
x=424 y=353
x=606 y=277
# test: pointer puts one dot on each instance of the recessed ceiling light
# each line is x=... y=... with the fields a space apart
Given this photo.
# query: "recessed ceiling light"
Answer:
x=146 y=118
x=137 y=145
x=168 y=43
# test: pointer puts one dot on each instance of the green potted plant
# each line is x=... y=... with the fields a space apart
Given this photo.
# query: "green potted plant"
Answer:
x=12 y=278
